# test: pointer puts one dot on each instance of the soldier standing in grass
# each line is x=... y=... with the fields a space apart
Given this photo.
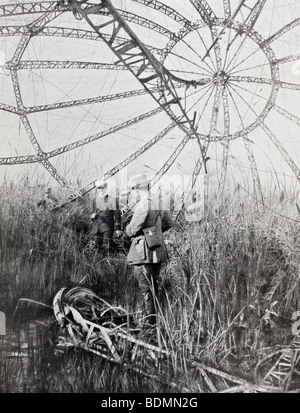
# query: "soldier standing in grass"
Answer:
x=147 y=252
x=48 y=201
x=106 y=218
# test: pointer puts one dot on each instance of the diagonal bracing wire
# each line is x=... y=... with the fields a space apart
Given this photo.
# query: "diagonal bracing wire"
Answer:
x=282 y=31
x=277 y=143
x=86 y=189
x=250 y=155
x=226 y=141
x=250 y=20
x=35 y=26
x=283 y=112
x=133 y=51
x=58 y=151
x=88 y=101
x=129 y=53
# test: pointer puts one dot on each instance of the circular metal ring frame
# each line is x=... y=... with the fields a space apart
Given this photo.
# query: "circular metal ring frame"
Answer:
x=219 y=77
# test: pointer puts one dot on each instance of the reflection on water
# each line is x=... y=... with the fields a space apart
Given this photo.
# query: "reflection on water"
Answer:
x=30 y=362
x=18 y=351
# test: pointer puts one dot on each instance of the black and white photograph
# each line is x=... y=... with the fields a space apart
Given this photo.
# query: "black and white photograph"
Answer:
x=149 y=199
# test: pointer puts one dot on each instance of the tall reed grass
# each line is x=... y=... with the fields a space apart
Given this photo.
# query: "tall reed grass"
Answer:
x=226 y=296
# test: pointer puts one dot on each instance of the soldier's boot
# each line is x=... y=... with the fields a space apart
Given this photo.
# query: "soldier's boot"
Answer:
x=149 y=309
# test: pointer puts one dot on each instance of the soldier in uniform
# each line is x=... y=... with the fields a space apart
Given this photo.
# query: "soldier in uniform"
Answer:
x=48 y=201
x=147 y=259
x=106 y=217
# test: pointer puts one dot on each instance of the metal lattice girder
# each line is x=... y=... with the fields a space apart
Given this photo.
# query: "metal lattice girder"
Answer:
x=35 y=28
x=131 y=48
x=25 y=39
x=226 y=142
x=253 y=166
x=123 y=164
x=32 y=28
x=283 y=30
x=69 y=33
x=286 y=85
x=28 y=8
x=50 y=168
x=250 y=20
x=226 y=113
x=287 y=114
x=46 y=7
x=255 y=12
x=82 y=142
x=259 y=40
x=110 y=332
x=29 y=31
x=12 y=30
x=243 y=386
x=224 y=166
x=217 y=49
x=61 y=5
x=139 y=152
x=40 y=23
x=56 y=64
x=133 y=51
x=167 y=165
x=215 y=110
x=191 y=184
x=53 y=171
x=20 y=107
x=8 y=108
x=168 y=11
x=280 y=373
x=282 y=368
x=219 y=85
x=205 y=11
x=274 y=82
x=227 y=9
x=31 y=135
x=89 y=101
x=229 y=20
x=142 y=21
x=106 y=132
x=290 y=58
x=131 y=158
x=251 y=79
x=90 y=9
x=30 y=132
x=65 y=32
x=195 y=174
x=139 y=20
x=18 y=160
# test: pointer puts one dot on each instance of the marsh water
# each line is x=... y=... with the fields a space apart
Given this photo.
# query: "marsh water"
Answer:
x=24 y=357
x=17 y=349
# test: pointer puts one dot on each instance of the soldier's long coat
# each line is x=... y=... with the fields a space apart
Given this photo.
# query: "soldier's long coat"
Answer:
x=146 y=214
x=108 y=216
